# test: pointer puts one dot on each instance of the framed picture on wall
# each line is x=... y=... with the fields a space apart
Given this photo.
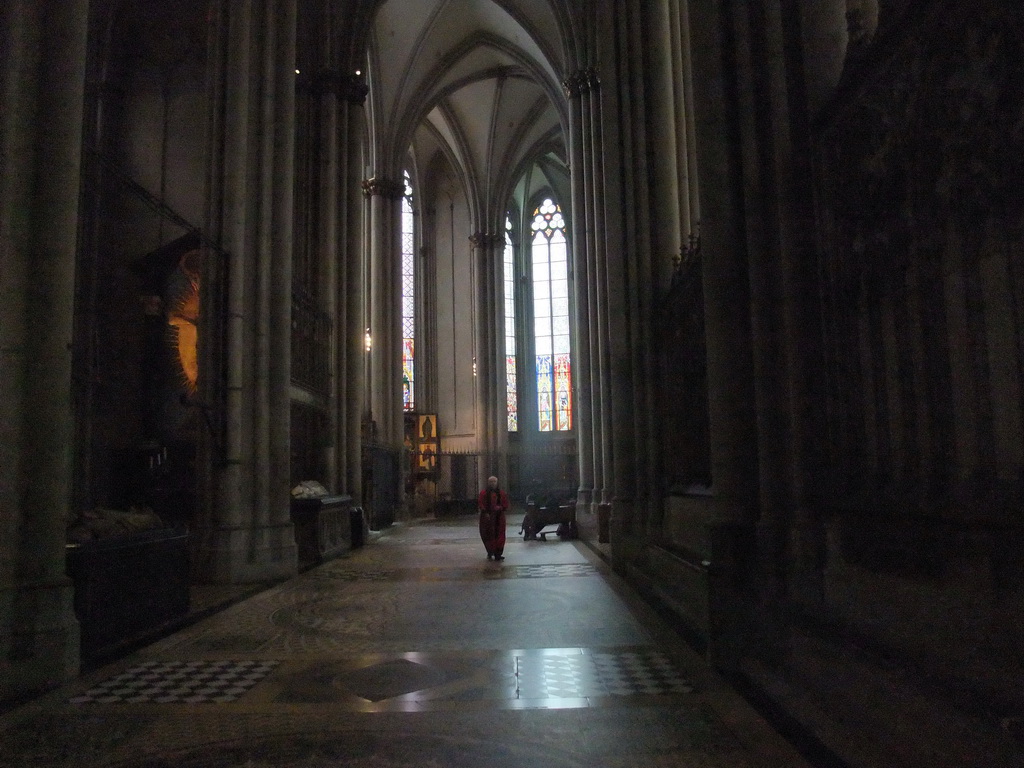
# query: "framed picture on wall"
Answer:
x=426 y=457
x=427 y=442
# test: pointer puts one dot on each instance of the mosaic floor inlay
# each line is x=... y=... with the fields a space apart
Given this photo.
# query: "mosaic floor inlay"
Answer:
x=175 y=682
x=566 y=678
x=457 y=574
x=412 y=650
x=599 y=674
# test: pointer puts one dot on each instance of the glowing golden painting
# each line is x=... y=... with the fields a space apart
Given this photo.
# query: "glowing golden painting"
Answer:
x=183 y=319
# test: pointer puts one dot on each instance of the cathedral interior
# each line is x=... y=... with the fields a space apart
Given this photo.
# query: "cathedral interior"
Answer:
x=732 y=289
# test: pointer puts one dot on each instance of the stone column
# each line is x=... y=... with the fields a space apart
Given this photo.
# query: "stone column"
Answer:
x=248 y=535
x=385 y=361
x=763 y=132
x=335 y=211
x=489 y=343
x=731 y=398
x=675 y=183
x=42 y=75
x=281 y=535
x=599 y=278
x=617 y=105
x=353 y=268
x=633 y=280
x=584 y=374
x=319 y=143
x=800 y=285
x=495 y=316
x=587 y=78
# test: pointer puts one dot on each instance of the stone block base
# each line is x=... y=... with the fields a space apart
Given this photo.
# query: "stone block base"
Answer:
x=40 y=639
x=244 y=555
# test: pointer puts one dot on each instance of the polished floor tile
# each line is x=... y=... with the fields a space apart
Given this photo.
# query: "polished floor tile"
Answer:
x=179 y=682
x=411 y=651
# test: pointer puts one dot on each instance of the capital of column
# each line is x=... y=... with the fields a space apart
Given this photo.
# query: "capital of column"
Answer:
x=345 y=86
x=485 y=240
x=580 y=82
x=394 y=190
x=688 y=254
x=353 y=89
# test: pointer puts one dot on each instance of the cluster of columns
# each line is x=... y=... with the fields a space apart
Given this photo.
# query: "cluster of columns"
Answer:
x=385 y=309
x=247 y=534
x=489 y=344
x=592 y=411
x=42 y=80
x=730 y=71
x=332 y=141
x=616 y=277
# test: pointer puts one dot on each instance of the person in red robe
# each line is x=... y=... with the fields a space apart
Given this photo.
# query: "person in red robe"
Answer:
x=493 y=503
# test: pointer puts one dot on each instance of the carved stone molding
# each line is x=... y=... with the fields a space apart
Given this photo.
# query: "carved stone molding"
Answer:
x=345 y=86
x=580 y=82
x=353 y=89
x=486 y=240
x=393 y=190
x=689 y=253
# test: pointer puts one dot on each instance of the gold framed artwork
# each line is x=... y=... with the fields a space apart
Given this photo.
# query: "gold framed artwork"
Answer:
x=423 y=437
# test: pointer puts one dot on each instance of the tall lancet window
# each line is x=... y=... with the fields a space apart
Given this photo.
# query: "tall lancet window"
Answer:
x=550 y=259
x=511 y=396
x=408 y=299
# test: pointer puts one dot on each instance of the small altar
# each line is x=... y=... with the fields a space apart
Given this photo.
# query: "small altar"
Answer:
x=325 y=526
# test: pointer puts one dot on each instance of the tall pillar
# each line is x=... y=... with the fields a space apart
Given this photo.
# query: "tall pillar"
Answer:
x=248 y=535
x=320 y=135
x=725 y=278
x=619 y=226
x=42 y=76
x=646 y=274
x=385 y=361
x=498 y=433
x=584 y=373
x=762 y=130
x=586 y=79
x=599 y=278
x=332 y=171
x=488 y=345
x=803 y=345
x=353 y=265
x=629 y=282
x=282 y=190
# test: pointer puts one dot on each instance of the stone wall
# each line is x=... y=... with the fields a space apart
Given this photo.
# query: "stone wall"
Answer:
x=919 y=167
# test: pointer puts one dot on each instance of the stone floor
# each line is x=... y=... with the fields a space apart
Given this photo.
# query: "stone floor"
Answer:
x=411 y=651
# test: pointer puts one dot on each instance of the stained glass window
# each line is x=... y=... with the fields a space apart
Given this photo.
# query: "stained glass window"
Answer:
x=550 y=259
x=511 y=395
x=408 y=299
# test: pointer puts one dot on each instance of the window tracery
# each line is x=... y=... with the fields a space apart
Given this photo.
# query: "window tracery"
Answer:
x=408 y=298
x=553 y=350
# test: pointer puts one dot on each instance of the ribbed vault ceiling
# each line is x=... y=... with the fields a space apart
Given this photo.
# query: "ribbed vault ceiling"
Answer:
x=480 y=77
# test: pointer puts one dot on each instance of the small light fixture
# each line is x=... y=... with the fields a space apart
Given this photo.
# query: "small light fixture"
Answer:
x=359 y=71
x=474 y=366
x=369 y=340
x=297 y=72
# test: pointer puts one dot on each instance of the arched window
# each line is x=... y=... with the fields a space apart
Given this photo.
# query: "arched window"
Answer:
x=550 y=262
x=408 y=299
x=511 y=393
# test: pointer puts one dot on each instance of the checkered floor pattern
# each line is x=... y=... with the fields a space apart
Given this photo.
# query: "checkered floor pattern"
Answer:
x=598 y=674
x=553 y=571
x=174 y=682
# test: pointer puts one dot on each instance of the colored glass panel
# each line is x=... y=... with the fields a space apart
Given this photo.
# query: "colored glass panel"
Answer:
x=552 y=338
x=511 y=380
x=563 y=389
x=408 y=299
